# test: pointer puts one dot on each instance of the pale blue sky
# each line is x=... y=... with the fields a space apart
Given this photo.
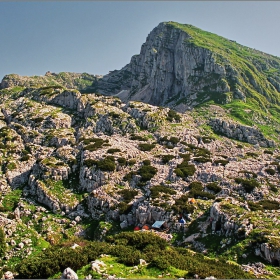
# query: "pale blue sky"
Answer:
x=97 y=37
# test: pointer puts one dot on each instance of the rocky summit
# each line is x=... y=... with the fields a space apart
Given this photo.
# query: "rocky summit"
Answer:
x=185 y=135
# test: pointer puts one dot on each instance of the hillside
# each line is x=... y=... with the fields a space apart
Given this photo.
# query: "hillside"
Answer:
x=82 y=164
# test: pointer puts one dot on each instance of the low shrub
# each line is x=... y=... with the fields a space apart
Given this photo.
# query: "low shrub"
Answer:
x=202 y=159
x=173 y=115
x=106 y=164
x=214 y=187
x=186 y=157
x=128 y=194
x=131 y=162
x=202 y=152
x=184 y=169
x=156 y=190
x=166 y=158
x=25 y=158
x=138 y=137
x=93 y=144
x=174 y=140
x=268 y=152
x=248 y=185
x=128 y=177
x=147 y=172
x=273 y=188
x=265 y=204
x=146 y=147
x=146 y=162
x=181 y=205
x=250 y=154
x=124 y=208
x=121 y=161
x=114 y=115
x=113 y=150
x=270 y=171
x=89 y=162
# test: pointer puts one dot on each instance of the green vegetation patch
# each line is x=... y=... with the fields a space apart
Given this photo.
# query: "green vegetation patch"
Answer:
x=10 y=201
x=146 y=147
x=93 y=144
x=147 y=172
x=156 y=190
x=247 y=184
x=127 y=248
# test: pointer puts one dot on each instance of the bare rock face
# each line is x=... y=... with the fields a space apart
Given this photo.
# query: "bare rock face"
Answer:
x=240 y=132
x=167 y=68
x=272 y=255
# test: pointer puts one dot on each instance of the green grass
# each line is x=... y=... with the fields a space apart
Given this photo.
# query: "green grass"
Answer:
x=10 y=201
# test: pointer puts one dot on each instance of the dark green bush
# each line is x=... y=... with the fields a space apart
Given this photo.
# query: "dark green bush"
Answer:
x=202 y=152
x=96 y=143
x=174 y=140
x=254 y=206
x=202 y=159
x=124 y=208
x=182 y=206
x=121 y=161
x=273 y=188
x=248 y=185
x=270 y=171
x=25 y=158
x=265 y=204
x=114 y=115
x=89 y=162
x=147 y=172
x=166 y=158
x=250 y=154
x=268 y=152
x=106 y=164
x=129 y=247
x=146 y=162
x=132 y=162
x=113 y=150
x=156 y=190
x=138 y=137
x=173 y=115
x=128 y=194
x=196 y=186
x=146 y=147
x=186 y=157
x=214 y=187
x=269 y=204
x=184 y=169
x=128 y=177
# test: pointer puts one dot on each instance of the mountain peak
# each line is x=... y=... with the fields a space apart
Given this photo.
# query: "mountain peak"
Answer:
x=182 y=66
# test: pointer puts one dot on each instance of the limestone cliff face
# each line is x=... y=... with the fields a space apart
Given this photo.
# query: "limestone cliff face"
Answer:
x=168 y=70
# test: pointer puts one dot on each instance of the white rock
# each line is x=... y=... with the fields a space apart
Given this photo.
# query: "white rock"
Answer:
x=68 y=273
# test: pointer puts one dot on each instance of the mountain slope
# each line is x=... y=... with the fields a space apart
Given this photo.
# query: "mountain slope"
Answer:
x=183 y=64
x=79 y=167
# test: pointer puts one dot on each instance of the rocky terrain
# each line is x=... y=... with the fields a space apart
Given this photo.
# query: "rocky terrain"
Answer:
x=85 y=156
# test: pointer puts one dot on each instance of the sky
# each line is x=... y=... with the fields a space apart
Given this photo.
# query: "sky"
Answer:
x=100 y=36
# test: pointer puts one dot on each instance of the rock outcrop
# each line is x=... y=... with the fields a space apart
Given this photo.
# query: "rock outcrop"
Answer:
x=168 y=69
x=240 y=132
